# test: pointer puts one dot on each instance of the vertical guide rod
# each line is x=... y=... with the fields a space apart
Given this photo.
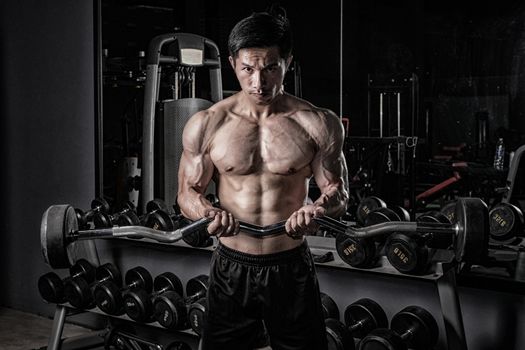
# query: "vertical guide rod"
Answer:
x=381 y=114
x=398 y=94
x=99 y=118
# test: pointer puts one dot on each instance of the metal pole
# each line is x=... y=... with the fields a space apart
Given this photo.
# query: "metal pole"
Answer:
x=451 y=310
x=381 y=114
x=399 y=165
x=58 y=327
x=148 y=128
x=99 y=119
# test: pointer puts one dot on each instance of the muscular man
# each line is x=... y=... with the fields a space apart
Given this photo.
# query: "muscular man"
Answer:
x=262 y=146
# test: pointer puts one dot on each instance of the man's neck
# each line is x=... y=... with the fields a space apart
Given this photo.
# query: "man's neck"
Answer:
x=260 y=112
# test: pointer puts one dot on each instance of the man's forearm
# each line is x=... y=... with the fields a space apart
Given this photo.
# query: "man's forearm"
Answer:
x=334 y=200
x=193 y=204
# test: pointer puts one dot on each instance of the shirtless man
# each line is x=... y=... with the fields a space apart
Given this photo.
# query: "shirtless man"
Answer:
x=262 y=146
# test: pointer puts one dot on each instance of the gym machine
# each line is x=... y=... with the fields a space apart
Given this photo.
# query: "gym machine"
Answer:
x=186 y=52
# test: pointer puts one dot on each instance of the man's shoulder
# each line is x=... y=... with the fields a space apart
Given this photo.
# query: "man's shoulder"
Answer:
x=216 y=111
x=309 y=113
x=320 y=123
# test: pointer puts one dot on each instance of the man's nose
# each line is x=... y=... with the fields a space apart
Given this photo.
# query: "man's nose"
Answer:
x=257 y=80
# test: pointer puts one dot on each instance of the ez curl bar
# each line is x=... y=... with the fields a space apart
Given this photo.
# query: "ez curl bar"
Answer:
x=468 y=235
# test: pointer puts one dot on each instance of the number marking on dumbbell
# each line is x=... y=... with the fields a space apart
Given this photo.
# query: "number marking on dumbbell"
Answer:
x=401 y=255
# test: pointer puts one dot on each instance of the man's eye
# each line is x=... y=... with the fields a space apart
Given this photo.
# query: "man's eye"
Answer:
x=247 y=69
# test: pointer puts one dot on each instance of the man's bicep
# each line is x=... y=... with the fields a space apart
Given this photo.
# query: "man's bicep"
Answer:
x=195 y=172
x=330 y=170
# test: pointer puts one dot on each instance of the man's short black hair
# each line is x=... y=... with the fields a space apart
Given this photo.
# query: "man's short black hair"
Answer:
x=262 y=29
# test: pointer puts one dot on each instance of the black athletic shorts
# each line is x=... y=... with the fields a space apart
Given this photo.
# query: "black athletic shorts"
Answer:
x=258 y=300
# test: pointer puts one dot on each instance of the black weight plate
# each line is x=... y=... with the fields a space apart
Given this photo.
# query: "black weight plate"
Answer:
x=196 y=315
x=159 y=220
x=404 y=254
x=170 y=310
x=100 y=204
x=360 y=253
x=78 y=293
x=383 y=339
x=108 y=298
x=129 y=218
x=51 y=288
x=197 y=287
x=472 y=240
x=366 y=205
x=168 y=281
x=381 y=215
x=83 y=268
x=139 y=277
x=102 y=220
x=330 y=309
x=434 y=216
x=403 y=214
x=449 y=210
x=57 y=222
x=337 y=335
x=109 y=272
x=157 y=204
x=506 y=222
x=366 y=313
x=138 y=305
x=423 y=327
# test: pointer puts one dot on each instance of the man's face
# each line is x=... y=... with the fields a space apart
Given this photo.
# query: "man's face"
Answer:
x=260 y=72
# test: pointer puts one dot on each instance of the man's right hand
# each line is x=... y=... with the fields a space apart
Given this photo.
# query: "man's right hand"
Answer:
x=223 y=224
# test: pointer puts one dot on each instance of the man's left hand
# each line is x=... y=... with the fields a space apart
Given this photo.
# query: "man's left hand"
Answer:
x=301 y=222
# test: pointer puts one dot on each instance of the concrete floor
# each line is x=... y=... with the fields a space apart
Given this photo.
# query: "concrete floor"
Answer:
x=24 y=331
x=21 y=330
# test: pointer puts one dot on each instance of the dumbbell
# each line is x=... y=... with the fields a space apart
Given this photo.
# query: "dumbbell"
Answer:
x=413 y=254
x=506 y=222
x=109 y=296
x=411 y=328
x=51 y=286
x=79 y=292
x=361 y=317
x=157 y=216
x=104 y=219
x=367 y=205
x=138 y=303
x=449 y=210
x=196 y=314
x=173 y=311
x=330 y=308
x=97 y=205
x=197 y=311
x=365 y=252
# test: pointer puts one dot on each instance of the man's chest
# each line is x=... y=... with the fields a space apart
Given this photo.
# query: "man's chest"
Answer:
x=242 y=148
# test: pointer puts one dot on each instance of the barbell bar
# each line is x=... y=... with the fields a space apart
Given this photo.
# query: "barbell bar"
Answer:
x=469 y=234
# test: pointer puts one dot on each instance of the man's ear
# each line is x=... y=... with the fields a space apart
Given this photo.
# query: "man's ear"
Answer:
x=232 y=61
x=288 y=62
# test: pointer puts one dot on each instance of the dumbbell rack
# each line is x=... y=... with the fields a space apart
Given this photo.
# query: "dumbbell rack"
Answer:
x=442 y=274
x=93 y=339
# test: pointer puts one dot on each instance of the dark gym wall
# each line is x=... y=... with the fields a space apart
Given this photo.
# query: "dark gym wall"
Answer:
x=47 y=131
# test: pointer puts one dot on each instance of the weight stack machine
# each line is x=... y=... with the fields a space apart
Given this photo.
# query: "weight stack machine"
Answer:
x=393 y=108
x=184 y=54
